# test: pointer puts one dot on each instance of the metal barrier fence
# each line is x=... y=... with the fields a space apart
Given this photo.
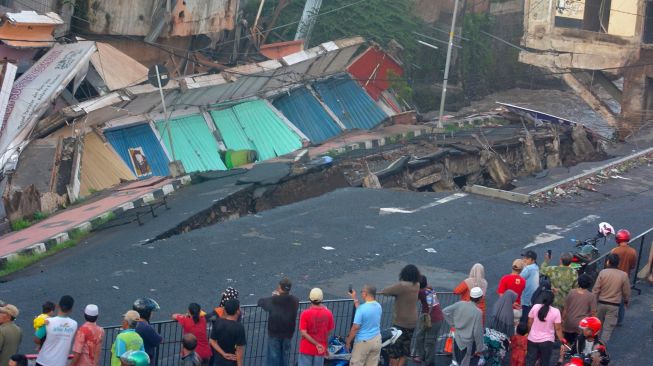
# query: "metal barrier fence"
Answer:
x=638 y=241
x=254 y=320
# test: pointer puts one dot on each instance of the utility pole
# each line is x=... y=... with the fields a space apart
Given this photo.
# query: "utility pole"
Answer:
x=448 y=63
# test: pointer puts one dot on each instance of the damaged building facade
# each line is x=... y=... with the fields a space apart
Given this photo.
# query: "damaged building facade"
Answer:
x=601 y=49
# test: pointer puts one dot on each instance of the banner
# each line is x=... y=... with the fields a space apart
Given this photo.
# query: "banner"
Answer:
x=35 y=91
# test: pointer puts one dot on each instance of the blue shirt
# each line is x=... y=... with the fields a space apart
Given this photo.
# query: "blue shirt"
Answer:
x=531 y=273
x=368 y=316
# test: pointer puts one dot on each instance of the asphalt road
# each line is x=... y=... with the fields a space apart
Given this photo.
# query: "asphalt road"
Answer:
x=348 y=236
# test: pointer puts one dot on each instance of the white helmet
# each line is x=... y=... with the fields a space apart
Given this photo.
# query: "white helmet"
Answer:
x=606 y=229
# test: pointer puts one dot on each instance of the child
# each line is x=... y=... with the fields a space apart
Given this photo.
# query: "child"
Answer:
x=518 y=346
x=41 y=320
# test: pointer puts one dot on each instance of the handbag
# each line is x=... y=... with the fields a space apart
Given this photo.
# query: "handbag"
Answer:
x=426 y=321
x=448 y=344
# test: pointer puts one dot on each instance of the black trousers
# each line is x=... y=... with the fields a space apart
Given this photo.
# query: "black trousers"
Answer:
x=541 y=351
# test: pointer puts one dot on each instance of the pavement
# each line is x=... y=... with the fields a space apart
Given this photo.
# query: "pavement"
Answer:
x=43 y=235
x=348 y=236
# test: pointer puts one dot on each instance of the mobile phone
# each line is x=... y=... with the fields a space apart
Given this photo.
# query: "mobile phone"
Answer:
x=350 y=288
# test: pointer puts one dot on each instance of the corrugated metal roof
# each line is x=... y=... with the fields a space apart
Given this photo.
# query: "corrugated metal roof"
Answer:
x=122 y=139
x=306 y=112
x=194 y=143
x=254 y=125
x=353 y=106
x=32 y=17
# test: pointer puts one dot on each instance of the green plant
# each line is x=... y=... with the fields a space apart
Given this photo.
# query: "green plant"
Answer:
x=25 y=260
x=400 y=86
x=20 y=224
x=40 y=216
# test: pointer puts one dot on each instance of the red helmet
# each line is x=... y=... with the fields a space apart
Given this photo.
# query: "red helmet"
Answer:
x=623 y=235
x=592 y=323
x=575 y=361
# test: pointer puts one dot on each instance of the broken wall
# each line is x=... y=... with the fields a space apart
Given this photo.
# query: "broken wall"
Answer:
x=566 y=44
x=137 y=17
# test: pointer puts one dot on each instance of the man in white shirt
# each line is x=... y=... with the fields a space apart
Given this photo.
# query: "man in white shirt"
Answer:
x=60 y=333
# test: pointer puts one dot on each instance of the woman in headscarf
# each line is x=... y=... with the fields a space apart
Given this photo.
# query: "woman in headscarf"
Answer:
x=502 y=317
x=476 y=279
x=229 y=293
x=500 y=328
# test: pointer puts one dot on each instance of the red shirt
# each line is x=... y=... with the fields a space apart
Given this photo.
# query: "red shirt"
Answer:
x=513 y=282
x=199 y=331
x=318 y=323
x=88 y=341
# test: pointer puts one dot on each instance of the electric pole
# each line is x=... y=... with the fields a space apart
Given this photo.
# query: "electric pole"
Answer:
x=448 y=63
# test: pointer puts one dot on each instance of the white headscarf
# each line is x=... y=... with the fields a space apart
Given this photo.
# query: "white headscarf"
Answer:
x=477 y=278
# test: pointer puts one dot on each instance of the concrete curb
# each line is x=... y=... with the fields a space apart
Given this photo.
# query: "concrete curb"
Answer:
x=87 y=226
x=529 y=197
x=592 y=171
x=499 y=194
x=375 y=143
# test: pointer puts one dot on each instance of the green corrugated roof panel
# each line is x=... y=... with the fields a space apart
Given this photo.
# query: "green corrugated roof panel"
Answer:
x=255 y=125
x=194 y=143
x=232 y=132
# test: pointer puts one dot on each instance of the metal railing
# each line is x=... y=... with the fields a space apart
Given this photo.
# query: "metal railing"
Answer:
x=638 y=241
x=254 y=319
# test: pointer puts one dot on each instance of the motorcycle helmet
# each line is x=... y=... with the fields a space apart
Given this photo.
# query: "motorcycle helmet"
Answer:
x=605 y=229
x=623 y=235
x=145 y=306
x=575 y=361
x=135 y=358
x=592 y=323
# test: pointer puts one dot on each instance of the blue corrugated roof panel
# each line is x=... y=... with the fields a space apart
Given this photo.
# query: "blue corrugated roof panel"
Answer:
x=353 y=106
x=306 y=112
x=139 y=136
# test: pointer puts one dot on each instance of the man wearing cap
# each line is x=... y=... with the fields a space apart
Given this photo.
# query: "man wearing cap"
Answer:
x=315 y=324
x=10 y=333
x=530 y=273
x=282 y=314
x=59 y=334
x=88 y=341
x=563 y=278
x=127 y=339
x=515 y=282
x=467 y=320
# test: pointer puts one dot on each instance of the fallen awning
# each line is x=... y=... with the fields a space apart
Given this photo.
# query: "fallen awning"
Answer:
x=34 y=92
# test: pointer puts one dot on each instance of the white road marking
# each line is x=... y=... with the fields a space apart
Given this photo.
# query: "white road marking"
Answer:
x=431 y=250
x=328 y=248
x=543 y=238
x=389 y=210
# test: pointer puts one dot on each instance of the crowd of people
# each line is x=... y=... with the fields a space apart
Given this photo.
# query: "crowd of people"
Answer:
x=538 y=307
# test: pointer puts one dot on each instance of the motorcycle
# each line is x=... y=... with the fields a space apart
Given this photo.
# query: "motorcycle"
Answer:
x=583 y=259
x=576 y=359
x=338 y=356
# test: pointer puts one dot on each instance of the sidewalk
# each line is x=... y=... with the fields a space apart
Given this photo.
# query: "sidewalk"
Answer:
x=56 y=229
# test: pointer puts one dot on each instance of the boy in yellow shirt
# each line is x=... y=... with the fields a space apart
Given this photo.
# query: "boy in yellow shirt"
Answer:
x=42 y=319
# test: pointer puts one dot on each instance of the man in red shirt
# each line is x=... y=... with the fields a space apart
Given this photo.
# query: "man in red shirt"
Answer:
x=88 y=340
x=315 y=324
x=515 y=282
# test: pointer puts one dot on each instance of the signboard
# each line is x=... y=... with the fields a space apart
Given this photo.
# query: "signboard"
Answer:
x=164 y=76
x=141 y=166
x=35 y=91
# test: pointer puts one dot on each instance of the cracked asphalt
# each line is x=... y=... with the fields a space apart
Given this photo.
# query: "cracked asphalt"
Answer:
x=348 y=236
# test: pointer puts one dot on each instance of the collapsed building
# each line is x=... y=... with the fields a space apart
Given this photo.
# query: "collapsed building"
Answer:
x=601 y=49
